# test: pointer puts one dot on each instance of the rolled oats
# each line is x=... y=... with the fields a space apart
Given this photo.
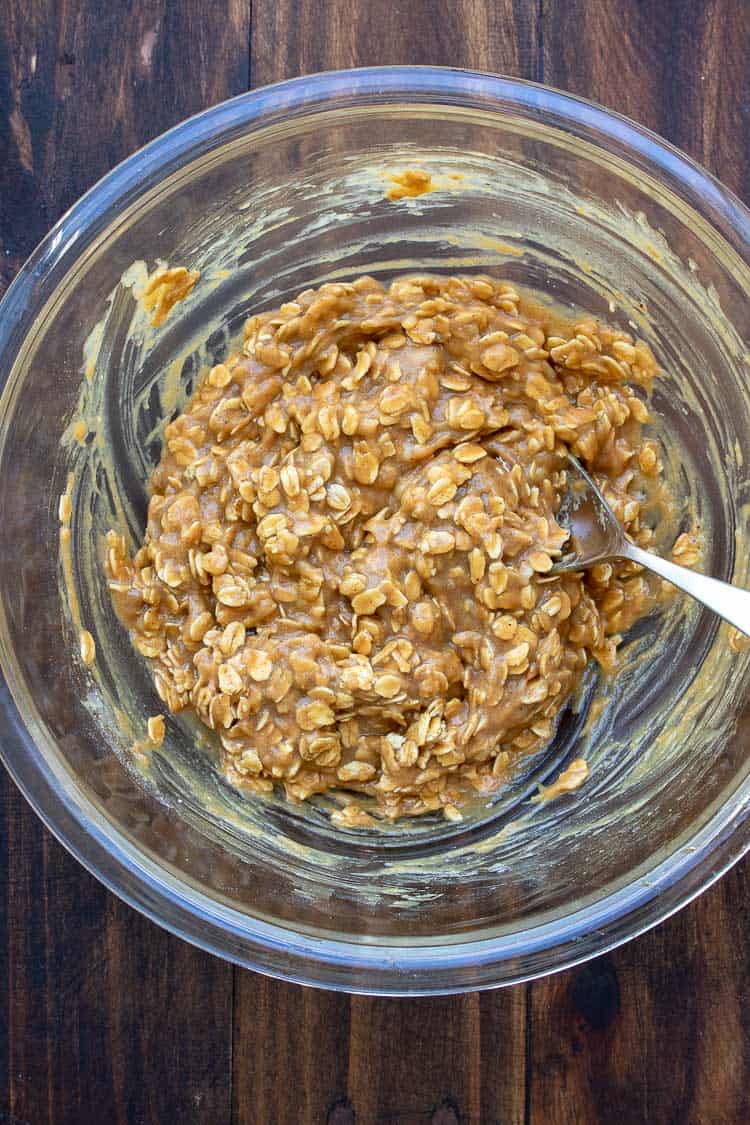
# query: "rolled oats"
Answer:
x=346 y=564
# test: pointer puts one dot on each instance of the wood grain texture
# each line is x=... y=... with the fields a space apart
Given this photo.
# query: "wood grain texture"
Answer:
x=658 y=1030
x=441 y=1060
x=103 y=1017
x=302 y=1034
x=678 y=67
x=82 y=85
x=292 y=37
x=107 y=1016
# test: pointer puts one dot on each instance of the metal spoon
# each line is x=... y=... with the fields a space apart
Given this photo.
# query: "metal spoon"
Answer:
x=596 y=536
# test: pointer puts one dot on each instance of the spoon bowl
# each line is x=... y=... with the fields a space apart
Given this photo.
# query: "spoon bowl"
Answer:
x=595 y=532
x=596 y=535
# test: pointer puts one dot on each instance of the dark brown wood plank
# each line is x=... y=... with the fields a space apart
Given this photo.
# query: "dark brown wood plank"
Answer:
x=83 y=84
x=427 y=1065
x=657 y=1031
x=504 y=1020
x=444 y=1060
x=291 y=1053
x=603 y=1041
x=103 y=1017
x=291 y=37
x=676 y=66
x=382 y=1060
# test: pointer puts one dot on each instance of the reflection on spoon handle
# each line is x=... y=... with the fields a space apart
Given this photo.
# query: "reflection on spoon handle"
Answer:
x=730 y=602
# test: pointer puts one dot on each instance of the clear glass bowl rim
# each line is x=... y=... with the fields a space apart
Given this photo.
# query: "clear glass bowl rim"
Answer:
x=349 y=965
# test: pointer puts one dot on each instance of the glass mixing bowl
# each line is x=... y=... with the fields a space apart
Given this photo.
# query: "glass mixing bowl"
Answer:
x=267 y=194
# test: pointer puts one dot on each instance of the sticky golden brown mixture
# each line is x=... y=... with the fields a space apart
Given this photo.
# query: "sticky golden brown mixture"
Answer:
x=569 y=780
x=346 y=566
x=410 y=184
x=164 y=289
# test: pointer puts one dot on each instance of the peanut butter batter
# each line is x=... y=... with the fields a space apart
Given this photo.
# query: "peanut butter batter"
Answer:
x=346 y=565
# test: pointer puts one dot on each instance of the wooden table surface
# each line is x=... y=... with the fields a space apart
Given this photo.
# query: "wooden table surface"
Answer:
x=106 y=1019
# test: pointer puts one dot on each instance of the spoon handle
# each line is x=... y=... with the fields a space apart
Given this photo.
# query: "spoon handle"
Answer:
x=730 y=602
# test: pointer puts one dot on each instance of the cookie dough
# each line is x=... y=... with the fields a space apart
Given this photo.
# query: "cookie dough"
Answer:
x=346 y=566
